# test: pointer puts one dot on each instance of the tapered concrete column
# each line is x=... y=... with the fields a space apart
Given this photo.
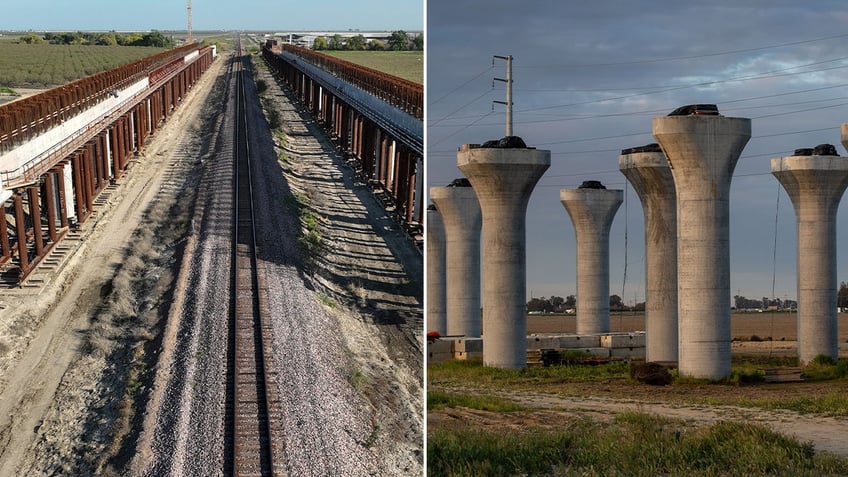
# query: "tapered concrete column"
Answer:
x=647 y=171
x=504 y=179
x=591 y=210
x=460 y=213
x=702 y=152
x=436 y=291
x=815 y=185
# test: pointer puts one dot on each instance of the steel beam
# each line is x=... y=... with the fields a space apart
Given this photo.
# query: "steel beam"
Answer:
x=20 y=228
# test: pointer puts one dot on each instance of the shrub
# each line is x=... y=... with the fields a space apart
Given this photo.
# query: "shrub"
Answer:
x=654 y=374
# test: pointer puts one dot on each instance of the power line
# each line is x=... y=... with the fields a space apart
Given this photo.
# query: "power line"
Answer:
x=461 y=86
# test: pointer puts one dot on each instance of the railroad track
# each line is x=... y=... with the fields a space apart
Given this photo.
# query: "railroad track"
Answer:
x=253 y=441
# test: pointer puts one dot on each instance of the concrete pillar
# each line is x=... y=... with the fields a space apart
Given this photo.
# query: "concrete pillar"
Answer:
x=702 y=151
x=436 y=291
x=648 y=172
x=815 y=184
x=503 y=179
x=462 y=220
x=592 y=208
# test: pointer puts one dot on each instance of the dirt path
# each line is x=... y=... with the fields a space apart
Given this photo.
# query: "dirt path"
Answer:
x=829 y=434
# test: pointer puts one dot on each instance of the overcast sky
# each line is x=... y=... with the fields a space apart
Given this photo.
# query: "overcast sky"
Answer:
x=589 y=77
x=213 y=15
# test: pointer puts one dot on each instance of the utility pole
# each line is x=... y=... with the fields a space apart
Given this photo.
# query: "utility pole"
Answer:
x=508 y=82
x=188 y=8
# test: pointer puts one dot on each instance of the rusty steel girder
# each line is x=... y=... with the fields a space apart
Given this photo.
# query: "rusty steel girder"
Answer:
x=403 y=94
x=26 y=118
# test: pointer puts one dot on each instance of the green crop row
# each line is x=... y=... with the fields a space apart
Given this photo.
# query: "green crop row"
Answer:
x=403 y=64
x=44 y=65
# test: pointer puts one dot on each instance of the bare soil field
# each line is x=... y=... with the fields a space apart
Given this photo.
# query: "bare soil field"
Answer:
x=780 y=327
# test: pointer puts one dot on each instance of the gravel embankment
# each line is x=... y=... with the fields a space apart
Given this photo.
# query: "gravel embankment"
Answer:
x=348 y=360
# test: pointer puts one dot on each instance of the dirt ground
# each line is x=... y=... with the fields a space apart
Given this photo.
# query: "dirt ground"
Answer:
x=781 y=327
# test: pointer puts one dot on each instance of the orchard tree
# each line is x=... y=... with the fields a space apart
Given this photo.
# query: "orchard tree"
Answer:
x=336 y=42
x=418 y=42
x=842 y=296
x=320 y=43
x=376 y=45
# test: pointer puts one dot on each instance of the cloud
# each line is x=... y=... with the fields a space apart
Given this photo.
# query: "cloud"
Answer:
x=591 y=76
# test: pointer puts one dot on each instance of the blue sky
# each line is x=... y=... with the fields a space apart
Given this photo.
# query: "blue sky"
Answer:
x=213 y=15
x=589 y=77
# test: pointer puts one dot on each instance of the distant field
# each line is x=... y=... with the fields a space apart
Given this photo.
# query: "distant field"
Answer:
x=44 y=65
x=405 y=64
x=780 y=326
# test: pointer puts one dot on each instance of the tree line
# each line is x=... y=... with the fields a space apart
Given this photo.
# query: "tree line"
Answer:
x=153 y=38
x=398 y=41
x=558 y=304
x=764 y=303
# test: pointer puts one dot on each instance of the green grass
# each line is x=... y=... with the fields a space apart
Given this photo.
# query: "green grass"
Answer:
x=45 y=65
x=472 y=371
x=309 y=239
x=633 y=445
x=404 y=64
x=440 y=400
x=327 y=300
x=830 y=404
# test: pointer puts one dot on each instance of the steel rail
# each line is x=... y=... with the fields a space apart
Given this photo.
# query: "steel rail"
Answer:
x=255 y=404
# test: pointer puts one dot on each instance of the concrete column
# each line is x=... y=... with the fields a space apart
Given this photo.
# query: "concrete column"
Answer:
x=503 y=179
x=436 y=261
x=592 y=208
x=462 y=220
x=702 y=151
x=815 y=185
x=648 y=172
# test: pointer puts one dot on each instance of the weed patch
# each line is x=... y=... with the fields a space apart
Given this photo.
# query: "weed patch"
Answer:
x=633 y=444
x=440 y=400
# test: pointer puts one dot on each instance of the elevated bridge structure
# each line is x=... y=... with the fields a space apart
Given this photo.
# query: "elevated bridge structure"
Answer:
x=375 y=120
x=60 y=149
